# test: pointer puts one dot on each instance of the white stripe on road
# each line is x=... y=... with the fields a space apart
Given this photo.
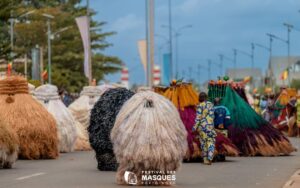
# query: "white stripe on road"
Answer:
x=30 y=176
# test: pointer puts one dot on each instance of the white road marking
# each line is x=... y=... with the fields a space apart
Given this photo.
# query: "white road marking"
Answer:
x=30 y=176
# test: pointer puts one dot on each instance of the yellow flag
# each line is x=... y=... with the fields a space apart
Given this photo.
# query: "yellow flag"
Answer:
x=284 y=75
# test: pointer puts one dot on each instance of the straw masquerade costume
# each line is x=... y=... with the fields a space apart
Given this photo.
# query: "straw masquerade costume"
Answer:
x=185 y=99
x=66 y=124
x=249 y=131
x=287 y=115
x=103 y=117
x=82 y=106
x=34 y=126
x=31 y=88
x=81 y=109
x=9 y=146
x=148 y=135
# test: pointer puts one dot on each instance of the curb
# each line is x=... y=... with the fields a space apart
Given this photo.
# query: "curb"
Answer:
x=294 y=181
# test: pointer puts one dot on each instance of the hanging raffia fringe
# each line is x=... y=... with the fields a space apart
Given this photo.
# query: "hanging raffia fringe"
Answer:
x=35 y=127
x=185 y=99
x=81 y=109
x=103 y=117
x=148 y=135
x=31 y=88
x=66 y=124
x=9 y=146
x=249 y=131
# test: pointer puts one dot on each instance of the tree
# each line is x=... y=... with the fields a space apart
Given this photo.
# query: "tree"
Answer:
x=67 y=48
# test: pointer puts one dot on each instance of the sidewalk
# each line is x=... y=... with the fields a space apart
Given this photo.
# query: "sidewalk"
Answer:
x=294 y=181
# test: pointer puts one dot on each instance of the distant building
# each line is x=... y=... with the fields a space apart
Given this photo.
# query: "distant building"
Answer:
x=240 y=73
x=277 y=65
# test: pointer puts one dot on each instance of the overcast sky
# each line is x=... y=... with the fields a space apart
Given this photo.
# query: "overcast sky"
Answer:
x=218 y=27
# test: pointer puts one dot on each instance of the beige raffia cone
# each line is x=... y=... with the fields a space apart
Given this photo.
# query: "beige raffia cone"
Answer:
x=148 y=135
x=81 y=109
x=47 y=95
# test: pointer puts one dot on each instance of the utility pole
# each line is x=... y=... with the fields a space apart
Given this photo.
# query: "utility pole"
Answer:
x=49 y=17
x=151 y=27
x=221 y=63
x=170 y=38
x=234 y=63
x=209 y=69
x=150 y=40
x=89 y=38
x=199 y=74
x=272 y=36
x=252 y=56
x=49 y=50
x=289 y=29
x=190 y=73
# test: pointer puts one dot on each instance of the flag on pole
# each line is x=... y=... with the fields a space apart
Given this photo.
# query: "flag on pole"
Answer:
x=82 y=23
x=284 y=74
x=45 y=74
x=142 y=47
x=9 y=68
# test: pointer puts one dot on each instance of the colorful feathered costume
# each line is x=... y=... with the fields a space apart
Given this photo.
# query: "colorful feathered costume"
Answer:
x=81 y=109
x=148 y=136
x=185 y=99
x=66 y=124
x=103 y=117
x=249 y=131
x=34 y=125
x=9 y=146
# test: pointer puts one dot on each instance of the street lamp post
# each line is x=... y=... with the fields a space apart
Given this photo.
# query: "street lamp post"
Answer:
x=12 y=21
x=177 y=34
x=59 y=31
x=49 y=18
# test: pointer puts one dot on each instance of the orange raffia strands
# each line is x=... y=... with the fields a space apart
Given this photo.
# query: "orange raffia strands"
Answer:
x=182 y=95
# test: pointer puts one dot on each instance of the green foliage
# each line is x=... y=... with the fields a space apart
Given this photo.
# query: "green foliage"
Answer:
x=36 y=83
x=67 y=47
x=295 y=84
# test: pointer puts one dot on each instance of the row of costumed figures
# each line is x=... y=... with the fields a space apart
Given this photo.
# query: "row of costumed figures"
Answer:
x=128 y=131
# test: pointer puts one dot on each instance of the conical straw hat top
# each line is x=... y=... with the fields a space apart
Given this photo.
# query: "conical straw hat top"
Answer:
x=91 y=91
x=46 y=92
x=13 y=85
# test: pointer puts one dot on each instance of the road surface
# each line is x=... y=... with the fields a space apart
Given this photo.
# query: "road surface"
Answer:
x=78 y=169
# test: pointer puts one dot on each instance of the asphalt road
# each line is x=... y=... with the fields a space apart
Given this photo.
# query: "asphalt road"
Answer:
x=78 y=169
